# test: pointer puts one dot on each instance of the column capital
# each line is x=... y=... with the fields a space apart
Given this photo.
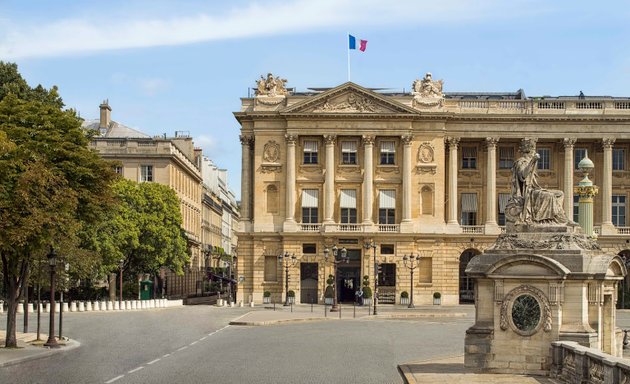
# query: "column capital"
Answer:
x=291 y=139
x=569 y=142
x=368 y=140
x=330 y=139
x=406 y=139
x=491 y=142
x=246 y=140
x=608 y=142
x=452 y=142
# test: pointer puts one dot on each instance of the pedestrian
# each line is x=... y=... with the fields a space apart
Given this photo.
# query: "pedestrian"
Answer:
x=359 y=296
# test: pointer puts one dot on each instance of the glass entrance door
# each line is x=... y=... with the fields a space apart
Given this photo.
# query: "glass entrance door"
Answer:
x=308 y=283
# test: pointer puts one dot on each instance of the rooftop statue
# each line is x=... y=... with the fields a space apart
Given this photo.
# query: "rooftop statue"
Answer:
x=271 y=86
x=530 y=203
x=427 y=92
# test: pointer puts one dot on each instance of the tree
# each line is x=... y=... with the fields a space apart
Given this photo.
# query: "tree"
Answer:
x=51 y=184
x=144 y=229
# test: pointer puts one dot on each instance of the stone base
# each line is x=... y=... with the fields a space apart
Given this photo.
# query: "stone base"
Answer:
x=477 y=347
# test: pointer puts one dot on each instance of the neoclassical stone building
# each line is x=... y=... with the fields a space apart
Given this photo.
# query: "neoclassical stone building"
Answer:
x=422 y=173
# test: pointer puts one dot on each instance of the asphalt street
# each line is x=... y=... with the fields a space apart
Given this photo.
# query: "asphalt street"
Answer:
x=196 y=345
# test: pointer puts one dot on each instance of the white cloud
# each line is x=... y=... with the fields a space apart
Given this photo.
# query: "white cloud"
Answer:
x=82 y=35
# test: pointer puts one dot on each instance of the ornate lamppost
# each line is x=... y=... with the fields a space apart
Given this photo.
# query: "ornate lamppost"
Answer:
x=368 y=245
x=343 y=254
x=411 y=262
x=52 y=262
x=289 y=261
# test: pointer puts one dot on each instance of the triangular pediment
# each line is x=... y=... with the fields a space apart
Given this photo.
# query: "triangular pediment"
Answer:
x=348 y=98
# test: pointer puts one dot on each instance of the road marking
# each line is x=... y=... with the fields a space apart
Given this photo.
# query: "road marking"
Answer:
x=182 y=348
x=154 y=361
x=167 y=355
x=114 y=379
x=194 y=342
x=135 y=370
x=203 y=338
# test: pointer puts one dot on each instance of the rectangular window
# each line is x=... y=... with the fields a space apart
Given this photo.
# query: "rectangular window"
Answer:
x=578 y=155
x=146 y=173
x=271 y=268
x=388 y=152
x=310 y=152
x=619 y=210
x=618 y=157
x=387 y=249
x=348 y=215
x=387 y=206
x=503 y=199
x=545 y=158
x=576 y=208
x=425 y=270
x=348 y=206
x=310 y=203
x=387 y=276
x=506 y=157
x=469 y=157
x=309 y=248
x=118 y=170
x=349 y=152
x=469 y=209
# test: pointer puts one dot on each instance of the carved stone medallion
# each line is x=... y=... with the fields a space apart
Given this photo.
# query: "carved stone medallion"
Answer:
x=271 y=153
x=426 y=153
x=525 y=309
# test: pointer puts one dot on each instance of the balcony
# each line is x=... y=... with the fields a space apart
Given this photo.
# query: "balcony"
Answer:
x=623 y=230
x=349 y=228
x=310 y=227
x=473 y=229
x=390 y=228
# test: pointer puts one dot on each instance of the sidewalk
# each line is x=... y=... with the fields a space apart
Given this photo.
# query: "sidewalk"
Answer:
x=30 y=349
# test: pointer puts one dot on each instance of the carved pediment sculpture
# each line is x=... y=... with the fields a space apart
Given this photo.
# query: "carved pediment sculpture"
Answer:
x=271 y=89
x=351 y=102
x=427 y=93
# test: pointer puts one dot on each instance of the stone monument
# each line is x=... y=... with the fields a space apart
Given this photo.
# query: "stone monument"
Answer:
x=543 y=280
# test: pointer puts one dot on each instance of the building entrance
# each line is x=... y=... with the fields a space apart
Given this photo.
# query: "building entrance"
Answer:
x=348 y=281
x=308 y=283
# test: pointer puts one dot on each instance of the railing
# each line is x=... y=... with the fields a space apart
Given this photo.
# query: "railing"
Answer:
x=511 y=104
x=473 y=104
x=349 y=228
x=551 y=105
x=502 y=228
x=393 y=228
x=622 y=105
x=310 y=227
x=597 y=230
x=574 y=363
x=588 y=105
x=475 y=229
x=623 y=230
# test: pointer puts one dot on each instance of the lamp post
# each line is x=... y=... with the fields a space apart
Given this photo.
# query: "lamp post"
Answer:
x=121 y=264
x=408 y=262
x=368 y=245
x=289 y=261
x=52 y=262
x=343 y=253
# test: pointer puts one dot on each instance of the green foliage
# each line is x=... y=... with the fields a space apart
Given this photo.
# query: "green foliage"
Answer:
x=366 y=281
x=404 y=295
x=329 y=292
x=437 y=295
x=144 y=229
x=330 y=280
x=367 y=292
x=266 y=294
x=291 y=293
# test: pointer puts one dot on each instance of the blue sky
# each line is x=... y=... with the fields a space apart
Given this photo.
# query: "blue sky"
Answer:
x=169 y=66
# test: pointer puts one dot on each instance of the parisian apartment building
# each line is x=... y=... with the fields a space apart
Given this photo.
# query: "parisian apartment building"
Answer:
x=421 y=175
x=209 y=209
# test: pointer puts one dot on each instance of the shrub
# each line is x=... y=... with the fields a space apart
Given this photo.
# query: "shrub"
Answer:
x=329 y=292
x=291 y=293
x=437 y=295
x=267 y=294
x=404 y=295
x=367 y=292
x=331 y=280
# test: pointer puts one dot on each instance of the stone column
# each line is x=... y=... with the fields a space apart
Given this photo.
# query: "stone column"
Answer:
x=289 y=223
x=491 y=226
x=246 y=193
x=607 y=225
x=329 y=182
x=568 y=177
x=368 y=179
x=587 y=191
x=406 y=184
x=453 y=224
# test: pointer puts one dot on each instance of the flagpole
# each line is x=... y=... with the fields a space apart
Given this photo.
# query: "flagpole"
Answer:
x=348 y=49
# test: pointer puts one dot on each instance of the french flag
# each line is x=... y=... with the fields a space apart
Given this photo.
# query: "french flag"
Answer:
x=353 y=43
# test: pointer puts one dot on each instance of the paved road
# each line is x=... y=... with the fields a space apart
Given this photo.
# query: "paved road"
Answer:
x=195 y=345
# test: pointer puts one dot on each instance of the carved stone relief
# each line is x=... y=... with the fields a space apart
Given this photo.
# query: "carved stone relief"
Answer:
x=522 y=296
x=427 y=93
x=426 y=158
x=352 y=102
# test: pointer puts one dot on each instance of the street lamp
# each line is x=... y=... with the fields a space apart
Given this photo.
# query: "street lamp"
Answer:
x=52 y=262
x=121 y=264
x=368 y=245
x=343 y=253
x=289 y=261
x=408 y=262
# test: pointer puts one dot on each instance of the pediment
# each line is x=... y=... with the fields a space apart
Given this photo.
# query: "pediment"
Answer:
x=527 y=265
x=348 y=98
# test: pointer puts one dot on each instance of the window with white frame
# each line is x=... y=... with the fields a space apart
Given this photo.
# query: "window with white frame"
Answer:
x=310 y=204
x=348 y=206
x=118 y=170
x=503 y=200
x=578 y=155
x=469 y=209
x=146 y=173
x=506 y=157
x=310 y=152
x=619 y=210
x=388 y=152
x=387 y=206
x=618 y=159
x=349 y=152
x=469 y=157
x=576 y=208
x=544 y=162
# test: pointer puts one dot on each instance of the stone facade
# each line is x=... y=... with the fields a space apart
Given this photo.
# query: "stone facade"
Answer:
x=424 y=172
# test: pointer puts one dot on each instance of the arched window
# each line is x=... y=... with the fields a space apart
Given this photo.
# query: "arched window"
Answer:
x=426 y=196
x=272 y=199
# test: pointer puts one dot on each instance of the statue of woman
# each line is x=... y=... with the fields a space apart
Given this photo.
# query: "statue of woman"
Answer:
x=530 y=203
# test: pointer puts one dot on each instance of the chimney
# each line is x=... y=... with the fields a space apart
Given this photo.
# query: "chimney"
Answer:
x=106 y=117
